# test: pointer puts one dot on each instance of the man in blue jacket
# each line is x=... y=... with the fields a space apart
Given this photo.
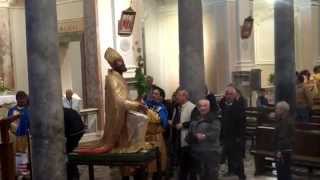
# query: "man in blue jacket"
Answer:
x=22 y=124
x=157 y=105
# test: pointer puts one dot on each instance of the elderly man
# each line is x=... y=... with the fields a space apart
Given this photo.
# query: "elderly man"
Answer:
x=180 y=151
x=71 y=100
x=203 y=137
x=283 y=140
x=233 y=131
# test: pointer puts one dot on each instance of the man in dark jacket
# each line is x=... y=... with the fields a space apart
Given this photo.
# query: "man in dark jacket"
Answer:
x=233 y=131
x=283 y=140
x=203 y=138
x=74 y=130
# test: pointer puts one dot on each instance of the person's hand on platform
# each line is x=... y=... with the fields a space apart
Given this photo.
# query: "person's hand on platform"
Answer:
x=142 y=108
x=170 y=122
x=200 y=136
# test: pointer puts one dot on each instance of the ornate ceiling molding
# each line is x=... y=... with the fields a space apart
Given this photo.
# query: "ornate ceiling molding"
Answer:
x=71 y=25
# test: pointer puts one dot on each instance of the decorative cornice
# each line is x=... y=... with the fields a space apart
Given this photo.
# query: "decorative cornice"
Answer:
x=265 y=62
x=71 y=25
x=216 y=2
x=60 y=2
x=168 y=10
x=315 y=2
x=244 y=67
x=4 y=3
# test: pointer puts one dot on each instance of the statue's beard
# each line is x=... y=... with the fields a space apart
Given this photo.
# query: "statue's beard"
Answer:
x=121 y=69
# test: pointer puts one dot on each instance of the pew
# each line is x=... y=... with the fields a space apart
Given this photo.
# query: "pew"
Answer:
x=307 y=126
x=315 y=116
x=264 y=119
x=252 y=115
x=256 y=117
x=306 y=150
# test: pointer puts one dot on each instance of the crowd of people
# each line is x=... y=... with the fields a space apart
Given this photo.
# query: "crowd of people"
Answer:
x=197 y=141
x=73 y=126
x=200 y=137
x=197 y=138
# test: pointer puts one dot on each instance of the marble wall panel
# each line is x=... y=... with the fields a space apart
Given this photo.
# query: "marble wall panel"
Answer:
x=6 y=64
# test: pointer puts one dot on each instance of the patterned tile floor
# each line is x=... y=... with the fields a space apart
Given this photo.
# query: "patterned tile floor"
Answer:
x=104 y=173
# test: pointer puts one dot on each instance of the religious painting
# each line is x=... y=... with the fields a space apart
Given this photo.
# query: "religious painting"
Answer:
x=6 y=63
x=246 y=28
x=126 y=23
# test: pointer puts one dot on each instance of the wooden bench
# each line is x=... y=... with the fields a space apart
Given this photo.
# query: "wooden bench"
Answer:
x=306 y=151
x=252 y=115
x=315 y=116
x=255 y=117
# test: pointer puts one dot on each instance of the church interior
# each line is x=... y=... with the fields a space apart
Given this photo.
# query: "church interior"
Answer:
x=85 y=29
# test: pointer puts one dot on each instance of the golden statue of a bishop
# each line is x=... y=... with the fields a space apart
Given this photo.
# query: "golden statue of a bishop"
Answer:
x=125 y=128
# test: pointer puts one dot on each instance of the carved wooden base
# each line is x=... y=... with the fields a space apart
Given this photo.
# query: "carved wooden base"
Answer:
x=7 y=161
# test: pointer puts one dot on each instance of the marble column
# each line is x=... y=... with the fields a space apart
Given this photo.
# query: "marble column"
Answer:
x=284 y=52
x=191 y=48
x=92 y=84
x=46 y=114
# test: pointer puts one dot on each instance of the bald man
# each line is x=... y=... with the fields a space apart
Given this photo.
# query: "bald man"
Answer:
x=203 y=138
x=71 y=100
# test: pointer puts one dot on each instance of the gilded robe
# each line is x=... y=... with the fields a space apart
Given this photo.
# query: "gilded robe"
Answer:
x=125 y=128
x=116 y=132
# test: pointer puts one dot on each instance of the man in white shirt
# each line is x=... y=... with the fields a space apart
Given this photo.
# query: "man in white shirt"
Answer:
x=179 y=123
x=71 y=100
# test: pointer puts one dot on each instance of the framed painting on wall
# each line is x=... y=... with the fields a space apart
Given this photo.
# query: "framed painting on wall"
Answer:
x=126 y=23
